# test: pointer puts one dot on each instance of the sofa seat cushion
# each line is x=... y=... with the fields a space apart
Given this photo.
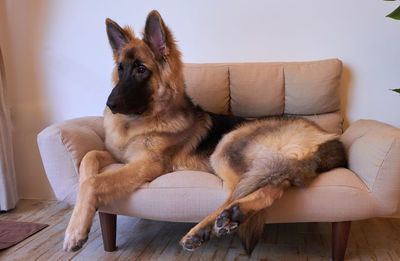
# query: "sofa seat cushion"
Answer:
x=189 y=196
x=183 y=196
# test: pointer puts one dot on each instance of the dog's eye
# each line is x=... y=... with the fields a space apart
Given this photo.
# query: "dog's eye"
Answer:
x=141 y=69
x=120 y=68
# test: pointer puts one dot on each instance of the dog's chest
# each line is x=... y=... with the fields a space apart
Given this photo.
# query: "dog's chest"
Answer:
x=124 y=139
x=133 y=149
x=116 y=151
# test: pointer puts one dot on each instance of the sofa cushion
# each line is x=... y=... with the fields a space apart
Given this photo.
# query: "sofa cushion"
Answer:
x=251 y=90
x=256 y=89
x=208 y=86
x=312 y=87
x=183 y=196
x=331 y=122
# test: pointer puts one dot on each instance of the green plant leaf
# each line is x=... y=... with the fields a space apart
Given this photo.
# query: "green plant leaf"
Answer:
x=395 y=14
x=396 y=90
x=389 y=0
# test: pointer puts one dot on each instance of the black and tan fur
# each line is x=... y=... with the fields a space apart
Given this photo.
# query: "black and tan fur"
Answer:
x=153 y=127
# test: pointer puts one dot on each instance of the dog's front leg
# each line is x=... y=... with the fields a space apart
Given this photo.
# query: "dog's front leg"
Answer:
x=100 y=189
x=79 y=224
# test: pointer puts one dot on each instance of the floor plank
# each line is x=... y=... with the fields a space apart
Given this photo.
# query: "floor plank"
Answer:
x=138 y=239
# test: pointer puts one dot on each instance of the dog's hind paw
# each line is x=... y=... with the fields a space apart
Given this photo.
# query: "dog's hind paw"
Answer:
x=228 y=221
x=191 y=242
x=73 y=241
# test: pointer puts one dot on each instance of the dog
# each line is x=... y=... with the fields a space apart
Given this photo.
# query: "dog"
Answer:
x=154 y=128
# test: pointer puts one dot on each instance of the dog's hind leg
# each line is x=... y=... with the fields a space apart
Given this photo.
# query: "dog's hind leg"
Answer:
x=247 y=214
x=203 y=231
x=241 y=209
x=100 y=189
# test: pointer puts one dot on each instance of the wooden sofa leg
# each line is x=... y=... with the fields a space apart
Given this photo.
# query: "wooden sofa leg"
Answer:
x=340 y=234
x=108 y=223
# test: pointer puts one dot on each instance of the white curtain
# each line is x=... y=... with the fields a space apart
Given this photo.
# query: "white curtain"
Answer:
x=8 y=183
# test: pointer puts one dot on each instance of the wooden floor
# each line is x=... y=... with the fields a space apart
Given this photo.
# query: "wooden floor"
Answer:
x=137 y=239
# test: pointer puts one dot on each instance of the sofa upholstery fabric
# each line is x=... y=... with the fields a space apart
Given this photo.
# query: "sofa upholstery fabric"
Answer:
x=370 y=187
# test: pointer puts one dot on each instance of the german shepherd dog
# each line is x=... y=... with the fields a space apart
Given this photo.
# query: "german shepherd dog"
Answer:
x=153 y=127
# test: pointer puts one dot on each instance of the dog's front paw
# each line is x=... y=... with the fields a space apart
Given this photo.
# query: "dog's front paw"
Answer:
x=193 y=240
x=74 y=240
x=228 y=221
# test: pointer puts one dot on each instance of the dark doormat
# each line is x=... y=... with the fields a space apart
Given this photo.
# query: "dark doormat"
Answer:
x=12 y=232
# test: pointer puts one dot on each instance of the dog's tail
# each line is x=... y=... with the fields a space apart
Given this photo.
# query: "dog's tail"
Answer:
x=251 y=231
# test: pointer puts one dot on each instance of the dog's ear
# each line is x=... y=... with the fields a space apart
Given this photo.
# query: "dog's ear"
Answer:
x=156 y=34
x=117 y=36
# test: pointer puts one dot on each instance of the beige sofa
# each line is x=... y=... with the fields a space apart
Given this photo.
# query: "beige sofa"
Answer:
x=369 y=188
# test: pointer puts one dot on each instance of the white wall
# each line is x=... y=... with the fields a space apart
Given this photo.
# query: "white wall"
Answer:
x=59 y=62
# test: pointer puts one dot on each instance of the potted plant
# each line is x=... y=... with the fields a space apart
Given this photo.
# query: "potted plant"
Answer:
x=395 y=15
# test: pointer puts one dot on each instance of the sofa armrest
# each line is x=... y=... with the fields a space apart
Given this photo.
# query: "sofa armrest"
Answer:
x=373 y=150
x=62 y=147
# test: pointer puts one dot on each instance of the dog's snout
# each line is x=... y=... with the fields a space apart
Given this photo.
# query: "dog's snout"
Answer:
x=112 y=104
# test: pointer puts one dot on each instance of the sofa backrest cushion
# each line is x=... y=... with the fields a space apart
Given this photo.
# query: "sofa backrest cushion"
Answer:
x=308 y=89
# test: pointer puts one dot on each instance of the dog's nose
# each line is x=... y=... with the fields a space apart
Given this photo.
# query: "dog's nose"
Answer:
x=112 y=104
